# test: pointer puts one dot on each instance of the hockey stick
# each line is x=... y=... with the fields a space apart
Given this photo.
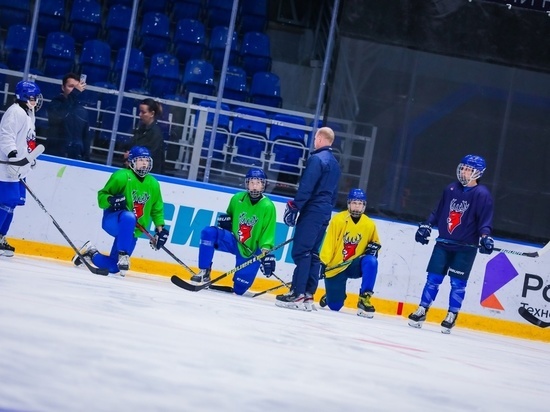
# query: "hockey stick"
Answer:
x=30 y=158
x=150 y=236
x=195 y=288
x=270 y=289
x=273 y=274
x=97 y=271
x=511 y=252
x=529 y=317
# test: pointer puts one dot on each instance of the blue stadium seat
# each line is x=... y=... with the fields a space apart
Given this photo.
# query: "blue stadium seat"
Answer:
x=14 y=12
x=157 y=6
x=135 y=75
x=58 y=54
x=253 y=15
x=190 y=39
x=186 y=9
x=163 y=76
x=216 y=47
x=265 y=89
x=16 y=45
x=255 y=53
x=218 y=13
x=51 y=17
x=249 y=138
x=117 y=25
x=198 y=77
x=288 y=144
x=95 y=61
x=235 y=87
x=85 y=19
x=154 y=33
x=222 y=134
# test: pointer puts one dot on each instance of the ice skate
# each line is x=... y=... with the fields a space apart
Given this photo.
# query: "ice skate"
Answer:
x=87 y=251
x=364 y=307
x=291 y=301
x=449 y=322
x=417 y=318
x=123 y=262
x=308 y=303
x=202 y=276
x=5 y=248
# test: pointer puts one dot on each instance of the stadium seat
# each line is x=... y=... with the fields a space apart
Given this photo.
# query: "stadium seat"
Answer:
x=157 y=6
x=14 y=12
x=163 y=76
x=190 y=40
x=198 y=77
x=253 y=15
x=216 y=47
x=135 y=75
x=16 y=45
x=186 y=9
x=255 y=53
x=85 y=19
x=95 y=61
x=235 y=87
x=117 y=25
x=58 y=54
x=265 y=89
x=218 y=13
x=51 y=17
x=249 y=138
x=154 y=33
x=288 y=147
x=222 y=134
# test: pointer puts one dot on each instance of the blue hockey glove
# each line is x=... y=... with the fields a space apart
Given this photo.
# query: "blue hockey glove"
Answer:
x=268 y=265
x=423 y=233
x=161 y=237
x=117 y=202
x=322 y=271
x=486 y=245
x=225 y=221
x=372 y=249
x=291 y=214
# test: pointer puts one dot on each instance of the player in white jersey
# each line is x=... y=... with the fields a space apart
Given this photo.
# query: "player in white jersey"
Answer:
x=17 y=140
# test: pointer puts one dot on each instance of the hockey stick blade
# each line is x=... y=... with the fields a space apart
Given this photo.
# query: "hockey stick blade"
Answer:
x=94 y=270
x=271 y=289
x=31 y=157
x=196 y=287
x=151 y=237
x=496 y=249
x=529 y=317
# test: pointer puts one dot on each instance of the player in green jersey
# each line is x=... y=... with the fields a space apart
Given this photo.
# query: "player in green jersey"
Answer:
x=247 y=229
x=130 y=196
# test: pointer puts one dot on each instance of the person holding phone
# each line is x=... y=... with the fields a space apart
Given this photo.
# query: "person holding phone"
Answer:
x=69 y=128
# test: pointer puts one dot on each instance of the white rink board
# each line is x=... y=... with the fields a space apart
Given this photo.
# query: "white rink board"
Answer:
x=68 y=190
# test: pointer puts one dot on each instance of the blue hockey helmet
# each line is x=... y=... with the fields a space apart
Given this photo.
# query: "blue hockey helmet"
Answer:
x=140 y=153
x=472 y=163
x=255 y=173
x=357 y=195
x=30 y=93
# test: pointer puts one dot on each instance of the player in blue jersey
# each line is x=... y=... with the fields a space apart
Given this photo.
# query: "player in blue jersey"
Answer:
x=314 y=201
x=464 y=218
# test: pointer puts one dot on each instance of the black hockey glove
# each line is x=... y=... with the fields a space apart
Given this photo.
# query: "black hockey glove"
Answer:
x=268 y=265
x=117 y=202
x=372 y=249
x=423 y=233
x=225 y=221
x=486 y=245
x=161 y=236
x=291 y=214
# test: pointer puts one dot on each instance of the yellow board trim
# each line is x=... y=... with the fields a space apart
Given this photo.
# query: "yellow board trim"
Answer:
x=387 y=307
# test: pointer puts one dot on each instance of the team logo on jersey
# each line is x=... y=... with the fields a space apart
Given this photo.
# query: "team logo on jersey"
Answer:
x=31 y=141
x=139 y=202
x=350 y=245
x=456 y=211
x=245 y=227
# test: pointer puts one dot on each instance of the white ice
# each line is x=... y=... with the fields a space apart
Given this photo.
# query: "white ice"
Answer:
x=74 y=341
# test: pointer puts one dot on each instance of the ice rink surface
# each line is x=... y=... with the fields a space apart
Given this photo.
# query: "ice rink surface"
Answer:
x=74 y=341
